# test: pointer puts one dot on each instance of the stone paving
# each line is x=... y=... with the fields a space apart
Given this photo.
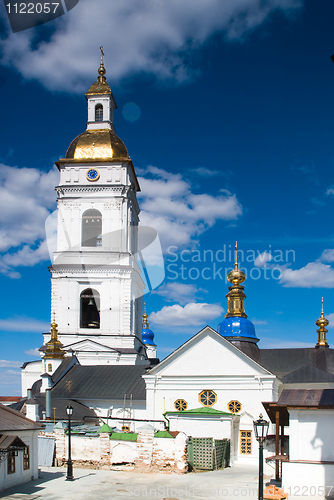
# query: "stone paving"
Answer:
x=238 y=482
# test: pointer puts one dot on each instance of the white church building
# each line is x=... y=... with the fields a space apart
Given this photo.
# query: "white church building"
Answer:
x=101 y=352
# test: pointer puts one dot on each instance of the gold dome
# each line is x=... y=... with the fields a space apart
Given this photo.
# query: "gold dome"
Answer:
x=322 y=322
x=99 y=87
x=97 y=143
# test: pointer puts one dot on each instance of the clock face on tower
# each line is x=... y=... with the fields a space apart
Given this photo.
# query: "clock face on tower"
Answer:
x=92 y=174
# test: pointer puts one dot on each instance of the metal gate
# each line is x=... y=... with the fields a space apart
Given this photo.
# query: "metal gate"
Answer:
x=46 y=449
x=208 y=454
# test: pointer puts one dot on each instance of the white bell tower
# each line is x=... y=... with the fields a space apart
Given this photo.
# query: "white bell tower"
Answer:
x=96 y=283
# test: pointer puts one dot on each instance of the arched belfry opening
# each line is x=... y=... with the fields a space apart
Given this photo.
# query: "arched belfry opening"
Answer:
x=91 y=228
x=90 y=308
x=99 y=113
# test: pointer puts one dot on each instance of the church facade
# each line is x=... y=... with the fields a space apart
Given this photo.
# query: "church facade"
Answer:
x=101 y=352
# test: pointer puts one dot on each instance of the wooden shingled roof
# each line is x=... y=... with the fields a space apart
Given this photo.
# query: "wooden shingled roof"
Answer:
x=12 y=420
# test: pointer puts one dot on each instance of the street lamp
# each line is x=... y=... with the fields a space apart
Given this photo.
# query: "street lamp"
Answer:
x=69 y=477
x=261 y=430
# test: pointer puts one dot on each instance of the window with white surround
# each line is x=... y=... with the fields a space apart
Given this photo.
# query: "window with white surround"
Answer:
x=99 y=113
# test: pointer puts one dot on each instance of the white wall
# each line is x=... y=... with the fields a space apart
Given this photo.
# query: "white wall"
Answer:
x=138 y=411
x=30 y=374
x=308 y=480
x=310 y=471
x=30 y=438
x=200 y=426
x=311 y=435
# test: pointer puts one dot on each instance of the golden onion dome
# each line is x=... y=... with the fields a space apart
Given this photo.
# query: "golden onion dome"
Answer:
x=97 y=143
x=236 y=276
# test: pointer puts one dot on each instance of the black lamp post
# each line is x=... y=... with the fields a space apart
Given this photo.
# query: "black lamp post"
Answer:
x=69 y=477
x=261 y=430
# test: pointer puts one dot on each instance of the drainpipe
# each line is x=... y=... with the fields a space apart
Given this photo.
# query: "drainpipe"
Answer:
x=168 y=422
x=48 y=404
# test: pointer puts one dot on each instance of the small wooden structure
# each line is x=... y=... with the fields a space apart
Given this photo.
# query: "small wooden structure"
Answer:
x=279 y=416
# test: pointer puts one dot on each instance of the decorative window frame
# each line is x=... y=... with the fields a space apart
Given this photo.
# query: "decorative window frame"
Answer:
x=247 y=440
x=235 y=403
x=180 y=405
x=212 y=393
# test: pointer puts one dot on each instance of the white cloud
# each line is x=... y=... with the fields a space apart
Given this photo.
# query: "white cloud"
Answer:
x=26 y=198
x=327 y=255
x=153 y=37
x=330 y=318
x=205 y=172
x=169 y=206
x=178 y=292
x=192 y=314
x=10 y=364
x=313 y=275
x=259 y=322
x=23 y=324
x=262 y=259
x=10 y=380
x=33 y=352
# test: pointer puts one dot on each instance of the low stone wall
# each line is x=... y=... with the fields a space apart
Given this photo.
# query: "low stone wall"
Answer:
x=147 y=453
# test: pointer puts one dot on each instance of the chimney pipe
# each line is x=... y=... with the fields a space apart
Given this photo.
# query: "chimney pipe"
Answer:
x=29 y=393
x=48 y=404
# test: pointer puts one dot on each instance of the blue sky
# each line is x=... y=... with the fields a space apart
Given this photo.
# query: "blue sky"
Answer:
x=226 y=109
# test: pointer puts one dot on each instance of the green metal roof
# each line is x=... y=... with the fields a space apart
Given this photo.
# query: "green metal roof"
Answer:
x=105 y=428
x=163 y=434
x=124 y=436
x=200 y=411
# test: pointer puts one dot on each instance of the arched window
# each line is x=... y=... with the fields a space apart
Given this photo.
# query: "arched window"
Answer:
x=99 y=113
x=90 y=309
x=91 y=228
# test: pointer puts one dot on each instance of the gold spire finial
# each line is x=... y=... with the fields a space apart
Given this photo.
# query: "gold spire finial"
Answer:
x=145 y=317
x=236 y=296
x=322 y=322
x=54 y=348
x=102 y=70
